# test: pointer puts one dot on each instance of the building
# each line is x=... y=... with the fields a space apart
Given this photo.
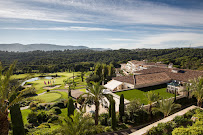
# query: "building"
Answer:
x=134 y=65
x=175 y=78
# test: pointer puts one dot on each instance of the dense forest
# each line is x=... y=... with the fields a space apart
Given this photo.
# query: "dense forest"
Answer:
x=77 y=60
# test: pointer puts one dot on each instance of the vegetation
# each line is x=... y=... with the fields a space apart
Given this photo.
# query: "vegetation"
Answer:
x=121 y=108
x=95 y=95
x=196 y=86
x=44 y=62
x=181 y=125
x=16 y=118
x=151 y=98
x=113 y=114
x=70 y=107
x=166 y=106
x=78 y=125
x=140 y=93
x=5 y=94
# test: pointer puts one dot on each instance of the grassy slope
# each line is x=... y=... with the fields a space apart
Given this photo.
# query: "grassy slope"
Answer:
x=140 y=94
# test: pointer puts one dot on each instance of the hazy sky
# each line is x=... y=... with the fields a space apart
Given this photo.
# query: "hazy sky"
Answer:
x=103 y=23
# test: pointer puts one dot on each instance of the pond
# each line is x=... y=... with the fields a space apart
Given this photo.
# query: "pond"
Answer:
x=36 y=78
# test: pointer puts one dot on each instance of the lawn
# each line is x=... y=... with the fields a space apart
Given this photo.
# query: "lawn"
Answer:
x=39 y=84
x=140 y=93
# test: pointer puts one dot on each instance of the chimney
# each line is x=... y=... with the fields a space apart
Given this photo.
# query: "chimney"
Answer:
x=134 y=78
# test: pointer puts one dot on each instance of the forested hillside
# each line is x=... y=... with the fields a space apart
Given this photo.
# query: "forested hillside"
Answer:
x=52 y=61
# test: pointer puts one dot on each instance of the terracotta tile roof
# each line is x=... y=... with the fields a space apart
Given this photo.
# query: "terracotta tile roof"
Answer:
x=182 y=75
x=135 y=62
x=144 y=79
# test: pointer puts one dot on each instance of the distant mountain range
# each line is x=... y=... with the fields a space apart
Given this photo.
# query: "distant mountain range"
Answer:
x=16 y=47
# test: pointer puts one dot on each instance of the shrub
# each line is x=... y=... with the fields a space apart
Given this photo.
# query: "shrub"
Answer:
x=103 y=119
x=189 y=114
x=108 y=129
x=181 y=121
x=53 y=118
x=56 y=110
x=40 y=107
x=162 y=129
x=42 y=117
x=59 y=104
x=32 y=118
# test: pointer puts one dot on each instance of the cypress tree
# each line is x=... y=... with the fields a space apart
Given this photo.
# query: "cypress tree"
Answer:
x=70 y=106
x=16 y=118
x=110 y=99
x=113 y=115
x=121 y=108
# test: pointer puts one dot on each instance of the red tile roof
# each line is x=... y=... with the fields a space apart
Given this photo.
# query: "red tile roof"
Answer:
x=182 y=75
x=145 y=79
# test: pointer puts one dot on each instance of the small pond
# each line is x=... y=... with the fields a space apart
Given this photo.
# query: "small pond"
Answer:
x=36 y=78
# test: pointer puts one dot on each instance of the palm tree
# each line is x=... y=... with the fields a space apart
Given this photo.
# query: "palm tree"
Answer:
x=4 y=96
x=77 y=124
x=151 y=97
x=9 y=88
x=166 y=106
x=196 y=85
x=95 y=95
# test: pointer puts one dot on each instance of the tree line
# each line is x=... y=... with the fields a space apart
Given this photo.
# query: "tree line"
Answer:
x=77 y=60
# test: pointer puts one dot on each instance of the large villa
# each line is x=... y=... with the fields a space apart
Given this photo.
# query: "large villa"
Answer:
x=152 y=75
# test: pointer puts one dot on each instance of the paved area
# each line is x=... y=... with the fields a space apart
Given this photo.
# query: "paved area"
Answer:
x=145 y=129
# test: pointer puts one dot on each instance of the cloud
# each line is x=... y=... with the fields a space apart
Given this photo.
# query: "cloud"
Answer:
x=168 y=39
x=122 y=39
x=101 y=12
x=60 y=28
x=15 y=10
x=132 y=12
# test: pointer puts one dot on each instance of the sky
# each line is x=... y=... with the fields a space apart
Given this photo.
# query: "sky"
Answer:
x=111 y=24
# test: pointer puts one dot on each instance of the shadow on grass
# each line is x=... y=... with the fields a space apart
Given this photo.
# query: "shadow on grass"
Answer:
x=150 y=88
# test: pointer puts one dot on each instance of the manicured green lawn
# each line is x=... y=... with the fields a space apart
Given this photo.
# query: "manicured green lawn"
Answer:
x=39 y=84
x=140 y=93
x=49 y=97
x=52 y=96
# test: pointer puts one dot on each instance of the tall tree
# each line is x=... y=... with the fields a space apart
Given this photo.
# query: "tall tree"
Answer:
x=16 y=117
x=166 y=106
x=121 y=108
x=70 y=106
x=82 y=75
x=113 y=114
x=5 y=94
x=196 y=86
x=95 y=95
